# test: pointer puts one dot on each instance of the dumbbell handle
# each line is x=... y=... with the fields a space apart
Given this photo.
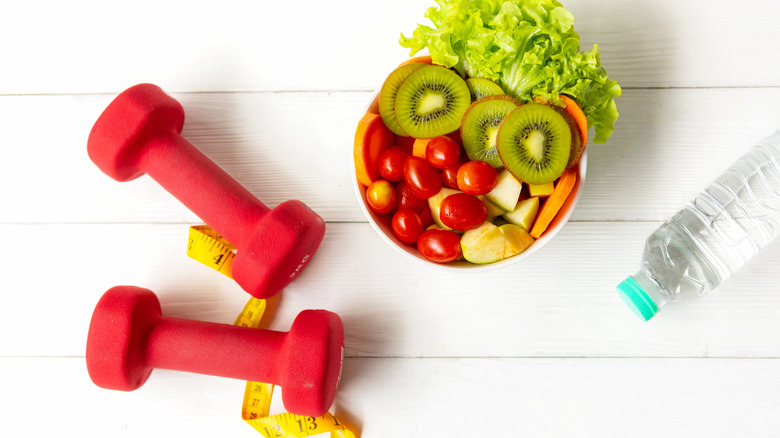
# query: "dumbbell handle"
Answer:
x=215 y=349
x=201 y=185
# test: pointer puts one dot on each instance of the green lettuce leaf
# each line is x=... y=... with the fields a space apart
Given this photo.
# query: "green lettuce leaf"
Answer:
x=529 y=47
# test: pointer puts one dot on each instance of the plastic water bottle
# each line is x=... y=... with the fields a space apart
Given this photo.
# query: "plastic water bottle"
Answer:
x=714 y=235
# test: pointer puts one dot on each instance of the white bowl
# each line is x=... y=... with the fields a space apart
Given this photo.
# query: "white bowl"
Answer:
x=382 y=223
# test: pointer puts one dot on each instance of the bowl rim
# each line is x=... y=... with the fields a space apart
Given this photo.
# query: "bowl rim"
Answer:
x=558 y=222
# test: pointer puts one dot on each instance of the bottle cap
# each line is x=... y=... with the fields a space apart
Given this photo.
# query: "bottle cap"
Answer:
x=637 y=299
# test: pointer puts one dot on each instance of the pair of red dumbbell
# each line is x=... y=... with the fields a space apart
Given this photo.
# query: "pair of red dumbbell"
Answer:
x=139 y=132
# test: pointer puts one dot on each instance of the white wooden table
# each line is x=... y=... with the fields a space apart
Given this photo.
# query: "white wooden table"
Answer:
x=273 y=92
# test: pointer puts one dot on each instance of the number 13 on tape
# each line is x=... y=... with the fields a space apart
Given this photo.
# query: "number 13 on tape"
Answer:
x=209 y=248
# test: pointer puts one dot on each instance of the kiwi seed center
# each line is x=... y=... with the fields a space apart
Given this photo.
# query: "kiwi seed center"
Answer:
x=431 y=102
x=492 y=135
x=535 y=144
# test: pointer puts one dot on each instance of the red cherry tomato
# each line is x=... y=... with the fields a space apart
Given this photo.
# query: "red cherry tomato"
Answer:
x=455 y=136
x=440 y=246
x=427 y=216
x=442 y=152
x=449 y=175
x=380 y=196
x=477 y=177
x=405 y=143
x=391 y=163
x=408 y=200
x=462 y=212
x=423 y=179
x=407 y=225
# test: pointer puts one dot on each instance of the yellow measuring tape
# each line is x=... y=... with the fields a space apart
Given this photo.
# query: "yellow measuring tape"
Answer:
x=209 y=248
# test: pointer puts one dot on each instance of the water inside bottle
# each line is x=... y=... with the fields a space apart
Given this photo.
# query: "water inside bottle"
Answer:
x=675 y=263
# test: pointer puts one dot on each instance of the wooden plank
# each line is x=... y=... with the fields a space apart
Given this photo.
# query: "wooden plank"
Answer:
x=273 y=93
x=421 y=397
x=561 y=302
x=243 y=46
x=667 y=146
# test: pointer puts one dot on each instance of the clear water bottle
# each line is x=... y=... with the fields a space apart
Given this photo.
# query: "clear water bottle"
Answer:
x=714 y=235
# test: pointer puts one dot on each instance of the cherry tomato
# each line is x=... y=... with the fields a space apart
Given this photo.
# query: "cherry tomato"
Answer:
x=449 y=175
x=407 y=225
x=427 y=216
x=380 y=196
x=391 y=163
x=408 y=200
x=442 y=152
x=477 y=177
x=423 y=179
x=462 y=212
x=455 y=136
x=405 y=143
x=440 y=246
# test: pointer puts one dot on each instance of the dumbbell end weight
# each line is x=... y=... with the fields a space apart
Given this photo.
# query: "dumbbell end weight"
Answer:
x=125 y=128
x=116 y=344
x=283 y=244
x=314 y=353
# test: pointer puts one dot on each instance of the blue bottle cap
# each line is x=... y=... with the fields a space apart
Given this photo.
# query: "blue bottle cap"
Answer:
x=637 y=299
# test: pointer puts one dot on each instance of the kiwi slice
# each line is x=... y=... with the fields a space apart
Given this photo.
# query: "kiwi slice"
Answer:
x=431 y=102
x=481 y=87
x=388 y=93
x=577 y=146
x=480 y=126
x=534 y=143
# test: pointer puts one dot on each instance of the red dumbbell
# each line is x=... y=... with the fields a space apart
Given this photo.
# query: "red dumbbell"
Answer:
x=128 y=337
x=139 y=132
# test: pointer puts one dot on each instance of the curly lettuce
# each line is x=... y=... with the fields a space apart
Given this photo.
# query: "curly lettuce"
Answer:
x=529 y=47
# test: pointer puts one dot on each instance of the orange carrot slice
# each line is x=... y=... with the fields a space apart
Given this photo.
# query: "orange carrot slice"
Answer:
x=554 y=203
x=371 y=139
x=419 y=147
x=373 y=108
x=419 y=59
x=576 y=113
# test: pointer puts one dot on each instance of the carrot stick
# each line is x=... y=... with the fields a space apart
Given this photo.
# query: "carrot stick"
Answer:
x=572 y=109
x=554 y=203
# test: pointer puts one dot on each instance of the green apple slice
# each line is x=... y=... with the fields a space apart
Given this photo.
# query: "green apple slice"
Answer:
x=484 y=244
x=507 y=191
x=545 y=189
x=516 y=239
x=493 y=210
x=524 y=214
x=435 y=203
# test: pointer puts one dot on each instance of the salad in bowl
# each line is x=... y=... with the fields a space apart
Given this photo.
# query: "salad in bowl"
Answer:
x=474 y=153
